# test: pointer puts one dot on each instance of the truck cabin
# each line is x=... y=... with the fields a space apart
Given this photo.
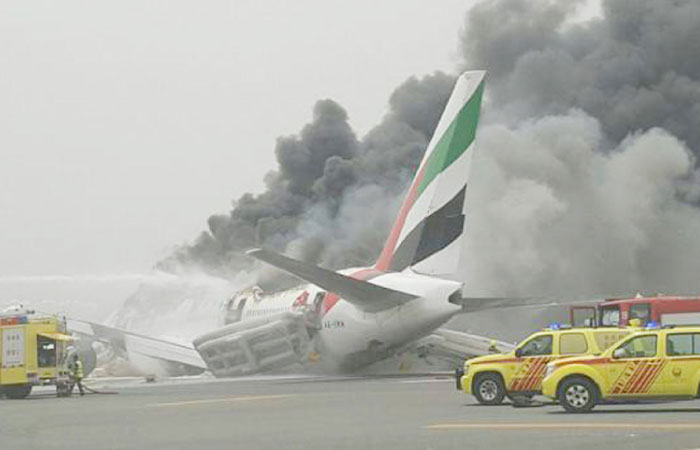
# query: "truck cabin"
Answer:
x=664 y=310
x=51 y=349
x=46 y=351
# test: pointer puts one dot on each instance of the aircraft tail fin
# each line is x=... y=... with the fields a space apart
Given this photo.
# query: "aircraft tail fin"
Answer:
x=366 y=296
x=426 y=236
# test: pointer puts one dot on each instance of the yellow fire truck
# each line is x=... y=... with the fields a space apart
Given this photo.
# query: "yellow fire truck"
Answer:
x=33 y=349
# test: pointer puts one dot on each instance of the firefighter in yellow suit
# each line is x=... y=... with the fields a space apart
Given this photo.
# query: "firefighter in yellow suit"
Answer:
x=78 y=374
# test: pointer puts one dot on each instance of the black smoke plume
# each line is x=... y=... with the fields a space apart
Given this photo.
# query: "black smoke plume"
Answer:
x=327 y=201
x=584 y=181
x=635 y=68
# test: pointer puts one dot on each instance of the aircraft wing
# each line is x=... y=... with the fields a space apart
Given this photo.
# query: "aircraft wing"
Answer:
x=366 y=296
x=454 y=347
x=474 y=304
x=129 y=342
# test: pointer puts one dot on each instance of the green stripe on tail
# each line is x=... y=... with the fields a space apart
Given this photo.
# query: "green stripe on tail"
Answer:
x=457 y=138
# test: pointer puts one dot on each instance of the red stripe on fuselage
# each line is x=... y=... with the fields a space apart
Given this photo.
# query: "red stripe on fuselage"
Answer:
x=387 y=256
x=331 y=298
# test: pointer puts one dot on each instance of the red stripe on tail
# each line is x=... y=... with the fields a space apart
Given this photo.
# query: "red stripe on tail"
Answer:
x=387 y=256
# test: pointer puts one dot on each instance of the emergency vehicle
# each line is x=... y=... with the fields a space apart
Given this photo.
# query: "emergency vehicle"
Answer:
x=662 y=309
x=33 y=349
x=654 y=363
x=519 y=373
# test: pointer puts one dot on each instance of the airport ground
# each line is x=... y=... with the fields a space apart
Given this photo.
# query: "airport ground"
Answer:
x=326 y=413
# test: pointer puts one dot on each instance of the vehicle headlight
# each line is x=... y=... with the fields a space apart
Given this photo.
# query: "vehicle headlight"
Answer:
x=548 y=371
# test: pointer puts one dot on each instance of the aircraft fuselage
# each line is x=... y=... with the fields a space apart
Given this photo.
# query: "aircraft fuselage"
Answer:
x=347 y=337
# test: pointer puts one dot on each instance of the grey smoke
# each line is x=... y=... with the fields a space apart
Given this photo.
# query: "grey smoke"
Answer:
x=635 y=68
x=586 y=176
x=331 y=201
x=331 y=191
x=592 y=143
x=584 y=181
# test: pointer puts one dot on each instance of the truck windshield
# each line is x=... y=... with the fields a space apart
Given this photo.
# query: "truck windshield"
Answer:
x=610 y=316
x=641 y=311
x=46 y=350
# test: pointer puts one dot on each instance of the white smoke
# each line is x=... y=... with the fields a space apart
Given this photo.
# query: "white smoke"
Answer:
x=561 y=201
x=154 y=277
x=553 y=211
x=181 y=307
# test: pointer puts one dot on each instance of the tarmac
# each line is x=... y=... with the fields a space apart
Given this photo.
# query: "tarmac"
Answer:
x=326 y=413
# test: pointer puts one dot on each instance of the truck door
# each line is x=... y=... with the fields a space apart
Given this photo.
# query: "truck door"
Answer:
x=572 y=344
x=610 y=316
x=641 y=311
x=14 y=364
x=682 y=350
x=530 y=365
x=635 y=367
x=583 y=316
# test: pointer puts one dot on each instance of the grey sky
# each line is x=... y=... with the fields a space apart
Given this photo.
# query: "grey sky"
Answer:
x=124 y=125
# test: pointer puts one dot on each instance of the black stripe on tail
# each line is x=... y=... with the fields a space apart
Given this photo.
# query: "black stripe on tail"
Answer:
x=432 y=234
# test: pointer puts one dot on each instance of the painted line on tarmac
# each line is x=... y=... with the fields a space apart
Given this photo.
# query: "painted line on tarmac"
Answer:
x=568 y=426
x=429 y=380
x=242 y=398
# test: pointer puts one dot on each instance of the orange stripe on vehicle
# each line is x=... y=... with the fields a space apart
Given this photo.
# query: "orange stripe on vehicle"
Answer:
x=652 y=378
x=531 y=375
x=656 y=375
x=626 y=375
x=634 y=386
x=639 y=383
x=532 y=378
x=648 y=373
x=515 y=384
x=538 y=375
x=649 y=379
x=521 y=375
x=623 y=377
x=622 y=380
x=638 y=371
x=617 y=385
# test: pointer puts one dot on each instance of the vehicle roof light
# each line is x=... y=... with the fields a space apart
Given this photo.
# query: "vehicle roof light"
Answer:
x=652 y=324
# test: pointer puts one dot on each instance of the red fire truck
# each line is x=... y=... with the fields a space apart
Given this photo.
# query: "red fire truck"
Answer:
x=662 y=309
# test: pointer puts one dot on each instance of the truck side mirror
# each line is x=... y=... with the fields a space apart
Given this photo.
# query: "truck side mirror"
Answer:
x=518 y=352
x=619 y=353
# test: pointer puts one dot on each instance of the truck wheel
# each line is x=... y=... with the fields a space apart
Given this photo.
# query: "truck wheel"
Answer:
x=17 y=391
x=578 y=395
x=489 y=389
